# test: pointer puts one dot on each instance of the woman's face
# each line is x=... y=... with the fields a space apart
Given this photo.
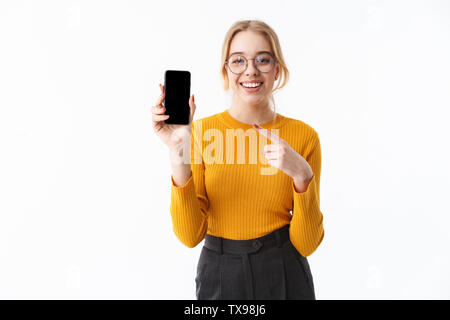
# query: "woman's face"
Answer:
x=250 y=43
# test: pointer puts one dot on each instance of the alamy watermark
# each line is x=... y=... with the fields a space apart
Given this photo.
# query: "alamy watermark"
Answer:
x=230 y=149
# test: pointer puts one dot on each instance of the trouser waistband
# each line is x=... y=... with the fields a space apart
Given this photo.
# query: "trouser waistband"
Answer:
x=223 y=245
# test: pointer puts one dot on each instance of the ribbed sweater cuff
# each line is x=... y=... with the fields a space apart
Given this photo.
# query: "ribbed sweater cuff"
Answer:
x=185 y=197
x=187 y=217
x=307 y=222
x=306 y=200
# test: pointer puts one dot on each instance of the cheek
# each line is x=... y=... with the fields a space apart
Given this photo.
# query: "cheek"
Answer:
x=269 y=80
x=269 y=83
x=235 y=83
x=232 y=81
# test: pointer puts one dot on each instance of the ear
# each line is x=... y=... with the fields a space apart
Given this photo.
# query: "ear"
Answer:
x=277 y=71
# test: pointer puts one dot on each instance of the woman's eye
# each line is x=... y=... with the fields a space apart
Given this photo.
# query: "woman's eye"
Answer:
x=264 y=60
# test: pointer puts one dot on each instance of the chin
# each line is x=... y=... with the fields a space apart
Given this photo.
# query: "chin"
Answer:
x=249 y=98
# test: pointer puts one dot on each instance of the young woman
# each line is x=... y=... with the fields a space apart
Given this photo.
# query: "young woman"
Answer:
x=259 y=220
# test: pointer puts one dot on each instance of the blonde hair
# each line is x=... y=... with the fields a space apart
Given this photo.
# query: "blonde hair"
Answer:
x=270 y=35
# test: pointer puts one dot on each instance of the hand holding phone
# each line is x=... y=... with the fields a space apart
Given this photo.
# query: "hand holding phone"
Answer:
x=166 y=131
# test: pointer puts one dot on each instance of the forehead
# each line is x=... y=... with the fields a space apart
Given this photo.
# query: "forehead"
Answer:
x=249 y=42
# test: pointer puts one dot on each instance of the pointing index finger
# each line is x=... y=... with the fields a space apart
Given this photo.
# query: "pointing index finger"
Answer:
x=268 y=134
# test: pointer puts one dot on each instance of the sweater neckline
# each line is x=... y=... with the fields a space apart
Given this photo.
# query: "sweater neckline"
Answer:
x=234 y=123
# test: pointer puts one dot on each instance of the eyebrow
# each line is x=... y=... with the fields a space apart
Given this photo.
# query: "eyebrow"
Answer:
x=240 y=52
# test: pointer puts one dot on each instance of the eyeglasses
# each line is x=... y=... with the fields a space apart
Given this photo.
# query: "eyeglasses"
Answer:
x=237 y=63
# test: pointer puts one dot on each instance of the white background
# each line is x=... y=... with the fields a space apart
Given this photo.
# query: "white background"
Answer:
x=85 y=182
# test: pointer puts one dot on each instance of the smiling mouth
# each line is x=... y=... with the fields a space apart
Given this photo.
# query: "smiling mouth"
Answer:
x=252 y=86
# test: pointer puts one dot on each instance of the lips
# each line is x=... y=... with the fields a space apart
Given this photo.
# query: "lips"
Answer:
x=250 y=82
x=251 y=89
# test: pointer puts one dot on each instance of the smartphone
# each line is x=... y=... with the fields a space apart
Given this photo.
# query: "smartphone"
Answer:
x=177 y=86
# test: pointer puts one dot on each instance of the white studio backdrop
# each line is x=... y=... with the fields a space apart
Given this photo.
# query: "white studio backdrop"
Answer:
x=85 y=182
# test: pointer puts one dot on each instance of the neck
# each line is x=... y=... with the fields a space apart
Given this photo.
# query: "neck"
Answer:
x=251 y=113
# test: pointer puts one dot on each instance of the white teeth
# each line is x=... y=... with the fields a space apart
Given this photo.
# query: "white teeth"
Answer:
x=251 y=85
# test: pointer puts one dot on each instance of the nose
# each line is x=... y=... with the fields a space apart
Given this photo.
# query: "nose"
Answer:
x=251 y=68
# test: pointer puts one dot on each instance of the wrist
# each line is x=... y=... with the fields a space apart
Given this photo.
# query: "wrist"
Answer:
x=301 y=183
x=180 y=154
x=304 y=177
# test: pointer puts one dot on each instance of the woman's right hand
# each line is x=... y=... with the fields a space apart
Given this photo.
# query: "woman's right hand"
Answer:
x=171 y=134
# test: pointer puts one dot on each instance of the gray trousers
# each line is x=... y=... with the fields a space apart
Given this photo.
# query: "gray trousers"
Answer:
x=265 y=268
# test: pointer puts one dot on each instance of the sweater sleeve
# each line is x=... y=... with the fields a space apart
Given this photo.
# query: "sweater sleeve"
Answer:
x=189 y=203
x=306 y=230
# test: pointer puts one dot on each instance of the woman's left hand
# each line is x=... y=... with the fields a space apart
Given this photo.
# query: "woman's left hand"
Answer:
x=281 y=155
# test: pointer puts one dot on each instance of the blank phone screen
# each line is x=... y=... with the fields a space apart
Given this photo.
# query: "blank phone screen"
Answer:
x=177 y=85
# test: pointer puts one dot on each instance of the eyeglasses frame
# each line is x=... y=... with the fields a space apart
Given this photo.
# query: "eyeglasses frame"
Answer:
x=246 y=63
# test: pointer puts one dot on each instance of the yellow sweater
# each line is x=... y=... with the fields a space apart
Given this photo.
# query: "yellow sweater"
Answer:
x=234 y=193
